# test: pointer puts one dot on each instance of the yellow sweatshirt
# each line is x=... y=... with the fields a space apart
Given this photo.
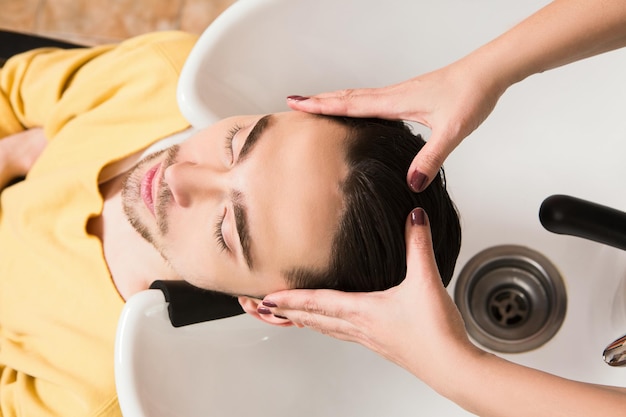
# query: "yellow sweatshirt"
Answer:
x=58 y=305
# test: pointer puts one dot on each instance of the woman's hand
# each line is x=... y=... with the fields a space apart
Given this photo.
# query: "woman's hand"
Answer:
x=452 y=102
x=18 y=153
x=416 y=324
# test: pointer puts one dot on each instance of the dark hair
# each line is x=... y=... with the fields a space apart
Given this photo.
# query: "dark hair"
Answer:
x=368 y=250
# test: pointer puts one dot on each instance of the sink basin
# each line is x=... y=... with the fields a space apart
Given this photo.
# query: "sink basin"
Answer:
x=562 y=132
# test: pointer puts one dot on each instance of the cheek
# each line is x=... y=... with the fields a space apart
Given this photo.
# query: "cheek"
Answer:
x=188 y=250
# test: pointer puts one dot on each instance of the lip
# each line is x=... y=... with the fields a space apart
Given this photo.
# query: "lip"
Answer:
x=148 y=189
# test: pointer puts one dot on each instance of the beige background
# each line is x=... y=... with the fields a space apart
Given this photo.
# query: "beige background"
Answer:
x=92 y=22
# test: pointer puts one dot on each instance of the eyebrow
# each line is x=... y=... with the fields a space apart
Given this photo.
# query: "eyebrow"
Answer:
x=253 y=137
x=237 y=197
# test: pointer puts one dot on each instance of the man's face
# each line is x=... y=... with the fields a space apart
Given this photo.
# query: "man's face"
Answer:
x=236 y=220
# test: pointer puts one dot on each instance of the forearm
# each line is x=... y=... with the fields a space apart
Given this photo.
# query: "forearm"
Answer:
x=562 y=32
x=488 y=386
x=18 y=153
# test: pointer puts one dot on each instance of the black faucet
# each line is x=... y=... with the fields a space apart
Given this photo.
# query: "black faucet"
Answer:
x=572 y=216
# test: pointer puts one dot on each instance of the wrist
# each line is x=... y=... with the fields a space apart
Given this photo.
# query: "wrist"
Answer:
x=459 y=371
x=18 y=153
x=6 y=168
x=493 y=73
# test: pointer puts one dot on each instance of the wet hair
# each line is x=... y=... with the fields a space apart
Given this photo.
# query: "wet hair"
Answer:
x=368 y=252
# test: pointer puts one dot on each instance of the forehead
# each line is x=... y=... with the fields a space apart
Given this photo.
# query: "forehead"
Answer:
x=294 y=191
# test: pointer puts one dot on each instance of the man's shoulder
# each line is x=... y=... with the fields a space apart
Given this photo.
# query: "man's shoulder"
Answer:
x=171 y=47
x=170 y=38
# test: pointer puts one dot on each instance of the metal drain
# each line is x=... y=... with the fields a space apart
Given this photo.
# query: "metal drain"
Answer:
x=509 y=307
x=512 y=298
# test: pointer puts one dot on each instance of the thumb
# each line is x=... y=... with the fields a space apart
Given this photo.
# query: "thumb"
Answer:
x=362 y=102
x=426 y=164
x=420 y=257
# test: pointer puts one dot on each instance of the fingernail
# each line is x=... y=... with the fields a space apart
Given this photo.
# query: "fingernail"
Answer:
x=418 y=181
x=418 y=217
x=263 y=310
x=280 y=317
x=297 y=98
x=269 y=303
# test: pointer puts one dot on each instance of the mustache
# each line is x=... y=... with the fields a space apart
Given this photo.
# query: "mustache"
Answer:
x=164 y=194
x=131 y=194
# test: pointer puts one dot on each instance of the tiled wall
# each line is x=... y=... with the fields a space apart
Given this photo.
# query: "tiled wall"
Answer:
x=92 y=22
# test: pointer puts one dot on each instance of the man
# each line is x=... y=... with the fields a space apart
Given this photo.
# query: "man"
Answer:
x=249 y=206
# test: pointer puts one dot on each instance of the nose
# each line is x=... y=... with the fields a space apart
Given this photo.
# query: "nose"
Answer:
x=190 y=182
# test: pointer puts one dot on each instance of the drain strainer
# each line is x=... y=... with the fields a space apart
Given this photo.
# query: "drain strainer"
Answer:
x=512 y=298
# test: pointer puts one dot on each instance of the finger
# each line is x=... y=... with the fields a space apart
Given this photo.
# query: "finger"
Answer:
x=420 y=257
x=365 y=102
x=328 y=303
x=326 y=311
x=428 y=161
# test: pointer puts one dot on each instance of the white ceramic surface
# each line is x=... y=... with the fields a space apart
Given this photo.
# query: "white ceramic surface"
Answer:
x=562 y=132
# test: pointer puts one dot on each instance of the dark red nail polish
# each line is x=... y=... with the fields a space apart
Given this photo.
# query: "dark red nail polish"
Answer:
x=280 y=317
x=418 y=181
x=418 y=217
x=263 y=310
x=269 y=303
x=297 y=98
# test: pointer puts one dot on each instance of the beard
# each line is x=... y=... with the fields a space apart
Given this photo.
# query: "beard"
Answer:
x=133 y=203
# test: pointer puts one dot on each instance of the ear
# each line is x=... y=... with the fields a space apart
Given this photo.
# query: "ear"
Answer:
x=252 y=306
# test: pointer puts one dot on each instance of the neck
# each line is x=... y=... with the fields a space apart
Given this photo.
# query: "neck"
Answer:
x=133 y=263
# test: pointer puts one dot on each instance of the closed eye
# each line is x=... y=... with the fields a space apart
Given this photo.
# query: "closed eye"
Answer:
x=217 y=229
x=219 y=236
x=239 y=208
x=230 y=136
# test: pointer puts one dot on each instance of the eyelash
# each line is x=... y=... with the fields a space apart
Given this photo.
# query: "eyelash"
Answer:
x=219 y=237
x=229 y=139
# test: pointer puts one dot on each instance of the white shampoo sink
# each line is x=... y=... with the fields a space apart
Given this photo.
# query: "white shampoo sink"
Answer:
x=561 y=132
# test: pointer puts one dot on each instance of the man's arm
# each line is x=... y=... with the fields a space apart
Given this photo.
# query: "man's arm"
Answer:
x=33 y=83
x=18 y=153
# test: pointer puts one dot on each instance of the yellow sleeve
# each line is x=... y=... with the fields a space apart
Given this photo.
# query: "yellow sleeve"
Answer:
x=48 y=87
x=31 y=84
